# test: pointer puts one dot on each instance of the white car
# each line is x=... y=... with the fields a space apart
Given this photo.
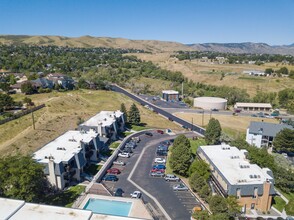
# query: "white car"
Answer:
x=123 y=154
x=159 y=160
x=136 y=194
x=119 y=162
x=171 y=177
x=180 y=187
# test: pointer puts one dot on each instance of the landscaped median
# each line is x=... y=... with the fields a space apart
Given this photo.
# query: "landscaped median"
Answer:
x=108 y=163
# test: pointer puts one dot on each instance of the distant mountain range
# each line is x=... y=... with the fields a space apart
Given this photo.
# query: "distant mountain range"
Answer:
x=147 y=45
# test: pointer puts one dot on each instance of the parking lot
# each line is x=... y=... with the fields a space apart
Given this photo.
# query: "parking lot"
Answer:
x=178 y=204
x=161 y=103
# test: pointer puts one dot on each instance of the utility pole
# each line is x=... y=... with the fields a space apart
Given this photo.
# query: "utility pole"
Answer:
x=202 y=118
x=182 y=90
x=192 y=125
x=33 y=120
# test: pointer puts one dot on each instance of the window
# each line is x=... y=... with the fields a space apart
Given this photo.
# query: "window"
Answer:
x=238 y=193
x=252 y=205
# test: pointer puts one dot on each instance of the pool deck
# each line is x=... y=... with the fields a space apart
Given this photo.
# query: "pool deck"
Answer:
x=138 y=209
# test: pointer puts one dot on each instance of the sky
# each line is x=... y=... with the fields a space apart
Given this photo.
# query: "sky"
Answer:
x=185 y=21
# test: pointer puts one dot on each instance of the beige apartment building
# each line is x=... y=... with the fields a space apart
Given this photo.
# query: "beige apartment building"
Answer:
x=233 y=175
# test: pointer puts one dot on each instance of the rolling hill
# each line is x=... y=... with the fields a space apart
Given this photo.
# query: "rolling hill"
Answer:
x=147 y=45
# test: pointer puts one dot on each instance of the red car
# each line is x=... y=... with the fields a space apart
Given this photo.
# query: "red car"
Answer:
x=160 y=132
x=154 y=170
x=113 y=171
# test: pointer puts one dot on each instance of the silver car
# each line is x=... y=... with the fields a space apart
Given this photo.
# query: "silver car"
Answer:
x=180 y=187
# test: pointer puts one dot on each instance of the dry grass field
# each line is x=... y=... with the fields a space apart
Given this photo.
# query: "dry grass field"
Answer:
x=234 y=126
x=211 y=73
x=62 y=112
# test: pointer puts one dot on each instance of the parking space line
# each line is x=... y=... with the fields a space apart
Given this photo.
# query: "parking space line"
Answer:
x=148 y=194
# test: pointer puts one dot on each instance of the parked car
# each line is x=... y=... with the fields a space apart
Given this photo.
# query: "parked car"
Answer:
x=118 y=192
x=155 y=170
x=123 y=154
x=119 y=162
x=214 y=109
x=110 y=178
x=171 y=177
x=166 y=143
x=161 y=153
x=160 y=131
x=159 y=166
x=136 y=194
x=159 y=160
x=113 y=171
x=157 y=174
x=127 y=150
x=136 y=139
x=180 y=187
x=148 y=134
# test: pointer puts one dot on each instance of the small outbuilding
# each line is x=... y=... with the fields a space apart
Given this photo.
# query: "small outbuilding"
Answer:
x=170 y=95
x=253 y=106
x=209 y=103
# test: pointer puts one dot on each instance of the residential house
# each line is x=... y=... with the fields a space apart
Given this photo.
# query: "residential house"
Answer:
x=262 y=134
x=43 y=83
x=106 y=124
x=64 y=81
x=65 y=157
x=233 y=175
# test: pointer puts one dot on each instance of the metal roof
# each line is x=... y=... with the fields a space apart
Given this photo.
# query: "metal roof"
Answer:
x=266 y=129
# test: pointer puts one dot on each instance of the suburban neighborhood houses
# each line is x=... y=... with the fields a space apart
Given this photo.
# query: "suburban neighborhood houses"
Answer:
x=262 y=134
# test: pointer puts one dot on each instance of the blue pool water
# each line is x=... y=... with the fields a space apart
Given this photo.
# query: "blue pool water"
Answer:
x=109 y=207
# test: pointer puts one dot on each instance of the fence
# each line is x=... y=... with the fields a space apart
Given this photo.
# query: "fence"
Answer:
x=18 y=115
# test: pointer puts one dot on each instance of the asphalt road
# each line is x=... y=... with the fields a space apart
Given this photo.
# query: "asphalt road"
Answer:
x=177 y=204
x=160 y=111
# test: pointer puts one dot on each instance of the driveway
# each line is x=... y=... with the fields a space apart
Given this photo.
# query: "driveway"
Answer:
x=178 y=205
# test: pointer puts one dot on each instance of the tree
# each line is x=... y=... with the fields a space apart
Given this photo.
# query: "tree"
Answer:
x=134 y=115
x=124 y=110
x=213 y=131
x=6 y=101
x=27 y=88
x=283 y=71
x=218 y=204
x=28 y=101
x=233 y=207
x=284 y=141
x=22 y=178
x=200 y=167
x=269 y=71
x=180 y=158
x=201 y=215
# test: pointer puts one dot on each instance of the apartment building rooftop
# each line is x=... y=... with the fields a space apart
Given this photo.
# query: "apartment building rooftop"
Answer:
x=64 y=147
x=266 y=129
x=233 y=165
x=103 y=118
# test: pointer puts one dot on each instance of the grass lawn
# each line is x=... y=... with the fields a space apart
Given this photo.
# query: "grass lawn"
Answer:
x=195 y=144
x=138 y=127
x=114 y=145
x=65 y=198
x=126 y=133
x=92 y=169
x=279 y=203
x=290 y=206
x=168 y=169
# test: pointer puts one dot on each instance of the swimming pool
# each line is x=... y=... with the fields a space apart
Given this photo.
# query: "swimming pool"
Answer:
x=109 y=207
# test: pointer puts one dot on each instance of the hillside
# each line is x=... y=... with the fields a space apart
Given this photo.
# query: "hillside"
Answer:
x=244 y=48
x=89 y=41
x=147 y=45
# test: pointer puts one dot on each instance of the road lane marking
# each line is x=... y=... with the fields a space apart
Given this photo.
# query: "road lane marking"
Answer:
x=140 y=188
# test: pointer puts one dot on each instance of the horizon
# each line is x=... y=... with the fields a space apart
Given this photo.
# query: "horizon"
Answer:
x=28 y=35
x=188 y=22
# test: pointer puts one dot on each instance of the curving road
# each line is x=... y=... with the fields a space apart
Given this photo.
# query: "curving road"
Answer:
x=161 y=111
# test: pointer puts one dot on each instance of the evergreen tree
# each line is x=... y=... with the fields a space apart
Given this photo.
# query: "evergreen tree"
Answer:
x=27 y=88
x=124 y=110
x=134 y=115
x=213 y=131
x=284 y=141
